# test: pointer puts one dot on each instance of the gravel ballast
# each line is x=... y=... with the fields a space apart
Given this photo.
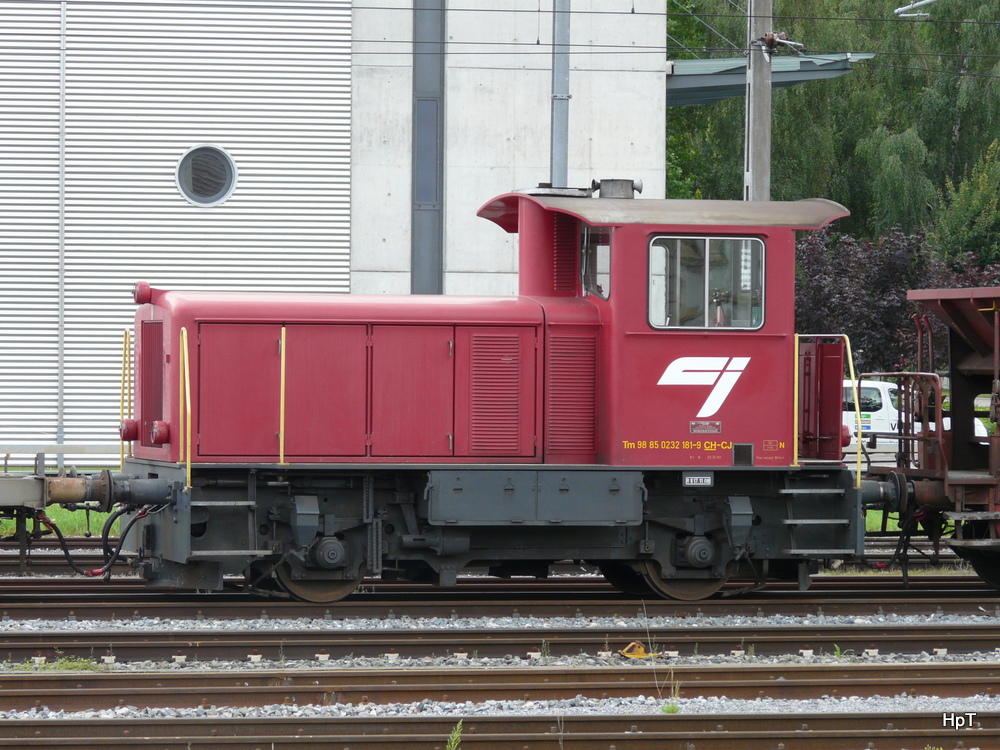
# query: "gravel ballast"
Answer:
x=640 y=704
x=579 y=706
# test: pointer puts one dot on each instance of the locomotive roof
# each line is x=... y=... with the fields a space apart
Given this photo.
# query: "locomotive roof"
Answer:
x=299 y=307
x=811 y=213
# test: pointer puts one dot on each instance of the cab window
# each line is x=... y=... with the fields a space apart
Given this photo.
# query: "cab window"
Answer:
x=595 y=265
x=706 y=282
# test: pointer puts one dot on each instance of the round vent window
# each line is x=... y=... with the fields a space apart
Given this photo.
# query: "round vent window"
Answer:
x=206 y=175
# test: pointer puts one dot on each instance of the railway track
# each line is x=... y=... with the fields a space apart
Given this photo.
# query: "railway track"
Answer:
x=125 y=643
x=24 y=691
x=881 y=580
x=88 y=599
x=313 y=688
x=637 y=732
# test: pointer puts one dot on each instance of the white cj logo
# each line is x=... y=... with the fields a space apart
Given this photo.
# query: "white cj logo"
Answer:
x=721 y=372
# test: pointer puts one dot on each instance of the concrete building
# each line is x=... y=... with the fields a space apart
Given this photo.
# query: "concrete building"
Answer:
x=495 y=122
x=264 y=145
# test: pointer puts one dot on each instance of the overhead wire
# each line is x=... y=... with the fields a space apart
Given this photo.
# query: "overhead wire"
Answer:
x=517 y=48
x=701 y=17
x=858 y=19
x=492 y=48
x=325 y=6
x=683 y=46
x=454 y=48
x=697 y=17
x=778 y=19
x=959 y=73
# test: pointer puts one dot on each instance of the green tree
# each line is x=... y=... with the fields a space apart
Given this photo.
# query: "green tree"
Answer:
x=960 y=99
x=884 y=140
x=700 y=161
x=968 y=217
x=901 y=191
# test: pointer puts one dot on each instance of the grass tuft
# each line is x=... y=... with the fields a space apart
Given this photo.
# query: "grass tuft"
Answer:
x=70 y=523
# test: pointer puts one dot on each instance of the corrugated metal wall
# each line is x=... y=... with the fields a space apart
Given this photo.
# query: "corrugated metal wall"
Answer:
x=29 y=219
x=101 y=100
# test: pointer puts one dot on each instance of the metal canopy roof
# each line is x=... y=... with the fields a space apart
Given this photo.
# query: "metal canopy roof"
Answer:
x=968 y=312
x=708 y=81
x=812 y=213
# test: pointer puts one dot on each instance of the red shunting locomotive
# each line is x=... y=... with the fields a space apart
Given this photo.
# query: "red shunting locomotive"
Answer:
x=643 y=404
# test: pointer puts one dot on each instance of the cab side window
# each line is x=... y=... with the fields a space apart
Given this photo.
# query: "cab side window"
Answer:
x=706 y=282
x=595 y=265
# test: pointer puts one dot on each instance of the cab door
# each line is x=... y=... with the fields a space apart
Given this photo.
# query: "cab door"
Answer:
x=702 y=356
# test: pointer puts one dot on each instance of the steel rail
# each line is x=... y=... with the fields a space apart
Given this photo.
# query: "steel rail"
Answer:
x=48 y=560
x=836 y=585
x=84 y=691
x=808 y=731
x=127 y=643
x=95 y=600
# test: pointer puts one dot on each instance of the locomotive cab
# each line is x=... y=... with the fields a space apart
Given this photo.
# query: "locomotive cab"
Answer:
x=696 y=311
x=696 y=343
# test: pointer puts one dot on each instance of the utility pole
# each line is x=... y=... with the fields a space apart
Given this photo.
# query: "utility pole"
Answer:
x=757 y=137
x=559 y=141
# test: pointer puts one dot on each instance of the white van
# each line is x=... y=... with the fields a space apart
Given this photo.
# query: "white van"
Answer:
x=878 y=406
x=877 y=403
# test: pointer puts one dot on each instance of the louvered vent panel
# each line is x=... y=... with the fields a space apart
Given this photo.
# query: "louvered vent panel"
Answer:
x=496 y=394
x=565 y=246
x=572 y=394
x=151 y=395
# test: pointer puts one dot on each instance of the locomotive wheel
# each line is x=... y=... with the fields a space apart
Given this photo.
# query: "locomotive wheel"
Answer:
x=624 y=578
x=317 y=591
x=685 y=589
x=986 y=565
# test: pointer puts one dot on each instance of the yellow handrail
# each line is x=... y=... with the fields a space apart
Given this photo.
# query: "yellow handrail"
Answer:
x=125 y=397
x=795 y=402
x=795 y=407
x=857 y=405
x=281 y=403
x=180 y=395
x=184 y=410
